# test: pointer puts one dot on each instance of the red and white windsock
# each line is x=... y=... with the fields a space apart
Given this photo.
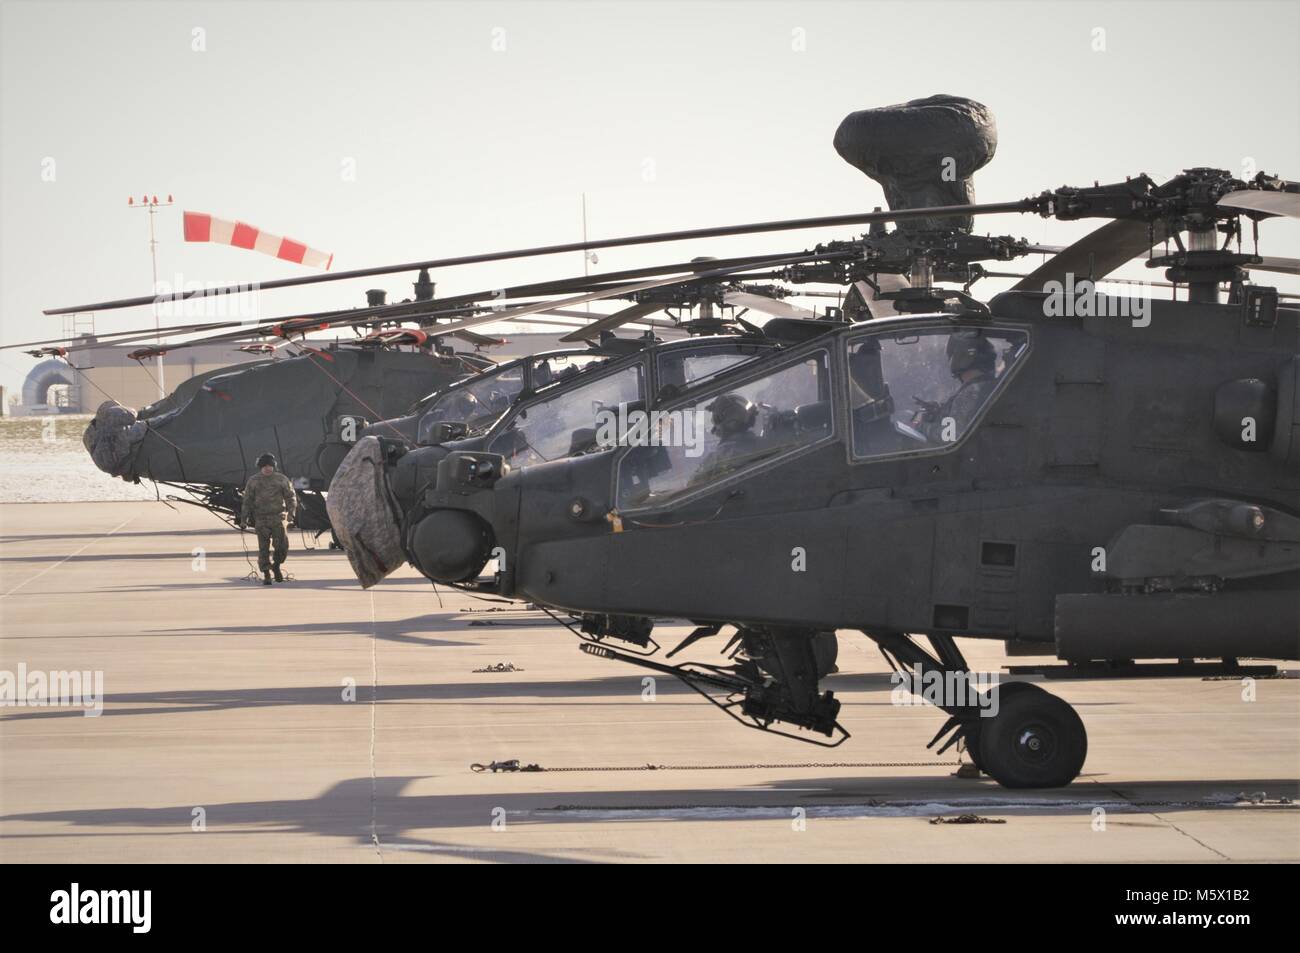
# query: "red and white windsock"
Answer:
x=202 y=227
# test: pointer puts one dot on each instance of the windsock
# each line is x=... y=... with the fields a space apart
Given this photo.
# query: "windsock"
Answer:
x=202 y=227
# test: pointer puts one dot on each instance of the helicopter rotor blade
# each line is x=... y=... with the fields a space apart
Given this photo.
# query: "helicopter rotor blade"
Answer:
x=620 y=291
x=770 y=306
x=794 y=224
x=611 y=321
x=124 y=337
x=1096 y=254
x=1261 y=201
x=1133 y=281
x=1282 y=266
x=642 y=325
x=586 y=316
x=423 y=310
x=286 y=327
x=478 y=340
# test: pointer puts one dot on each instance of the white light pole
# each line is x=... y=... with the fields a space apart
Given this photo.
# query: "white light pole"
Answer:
x=151 y=204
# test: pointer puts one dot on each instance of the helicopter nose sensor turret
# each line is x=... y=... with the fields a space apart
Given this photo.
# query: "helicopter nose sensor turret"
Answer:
x=455 y=540
x=450 y=545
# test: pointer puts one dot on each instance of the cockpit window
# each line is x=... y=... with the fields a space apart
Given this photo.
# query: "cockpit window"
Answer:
x=475 y=404
x=570 y=423
x=923 y=390
x=684 y=367
x=551 y=369
x=722 y=434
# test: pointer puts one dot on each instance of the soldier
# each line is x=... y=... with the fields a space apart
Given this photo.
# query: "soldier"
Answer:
x=269 y=502
x=734 y=417
x=973 y=362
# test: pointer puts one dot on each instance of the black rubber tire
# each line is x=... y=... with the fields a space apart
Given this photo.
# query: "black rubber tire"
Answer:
x=1036 y=740
x=972 y=731
x=826 y=651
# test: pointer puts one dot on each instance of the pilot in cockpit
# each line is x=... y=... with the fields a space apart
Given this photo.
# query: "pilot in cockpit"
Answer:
x=973 y=362
x=734 y=417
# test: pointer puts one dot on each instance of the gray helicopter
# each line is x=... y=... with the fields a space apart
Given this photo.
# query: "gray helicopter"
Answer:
x=557 y=403
x=1105 y=479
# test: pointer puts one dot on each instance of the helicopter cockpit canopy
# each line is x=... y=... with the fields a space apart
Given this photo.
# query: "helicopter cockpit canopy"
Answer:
x=567 y=423
x=919 y=390
x=683 y=367
x=600 y=414
x=547 y=370
x=479 y=402
x=475 y=404
x=923 y=389
x=717 y=435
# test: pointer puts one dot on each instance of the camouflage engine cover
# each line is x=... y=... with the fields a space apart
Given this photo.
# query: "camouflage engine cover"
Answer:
x=365 y=515
x=111 y=438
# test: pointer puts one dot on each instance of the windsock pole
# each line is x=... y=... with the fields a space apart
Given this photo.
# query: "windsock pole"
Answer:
x=151 y=204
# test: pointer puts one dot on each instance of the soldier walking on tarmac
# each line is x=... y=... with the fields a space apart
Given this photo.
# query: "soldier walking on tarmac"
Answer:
x=269 y=503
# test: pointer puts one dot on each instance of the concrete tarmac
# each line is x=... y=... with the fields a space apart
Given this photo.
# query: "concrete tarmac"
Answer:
x=314 y=722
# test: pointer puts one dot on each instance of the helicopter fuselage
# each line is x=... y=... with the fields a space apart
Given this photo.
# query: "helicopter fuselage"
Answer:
x=1106 y=460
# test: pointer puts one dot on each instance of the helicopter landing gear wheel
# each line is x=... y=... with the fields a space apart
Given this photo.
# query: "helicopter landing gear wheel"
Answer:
x=826 y=651
x=1035 y=740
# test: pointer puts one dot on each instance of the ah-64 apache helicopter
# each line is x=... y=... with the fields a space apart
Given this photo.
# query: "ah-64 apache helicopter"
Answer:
x=204 y=436
x=551 y=405
x=1102 y=488
x=306 y=408
x=469 y=407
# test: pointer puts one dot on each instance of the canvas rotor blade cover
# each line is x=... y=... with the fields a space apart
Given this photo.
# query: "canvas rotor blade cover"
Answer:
x=364 y=514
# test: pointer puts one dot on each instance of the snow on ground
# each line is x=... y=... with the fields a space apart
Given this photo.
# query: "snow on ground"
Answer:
x=42 y=460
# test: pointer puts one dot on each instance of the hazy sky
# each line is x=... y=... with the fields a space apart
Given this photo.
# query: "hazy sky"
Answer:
x=473 y=127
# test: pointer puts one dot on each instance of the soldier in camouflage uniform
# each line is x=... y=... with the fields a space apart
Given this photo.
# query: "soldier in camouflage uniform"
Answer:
x=269 y=503
x=973 y=362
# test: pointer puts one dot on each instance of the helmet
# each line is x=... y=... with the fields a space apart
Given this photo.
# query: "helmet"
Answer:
x=732 y=414
x=463 y=405
x=266 y=460
x=970 y=350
